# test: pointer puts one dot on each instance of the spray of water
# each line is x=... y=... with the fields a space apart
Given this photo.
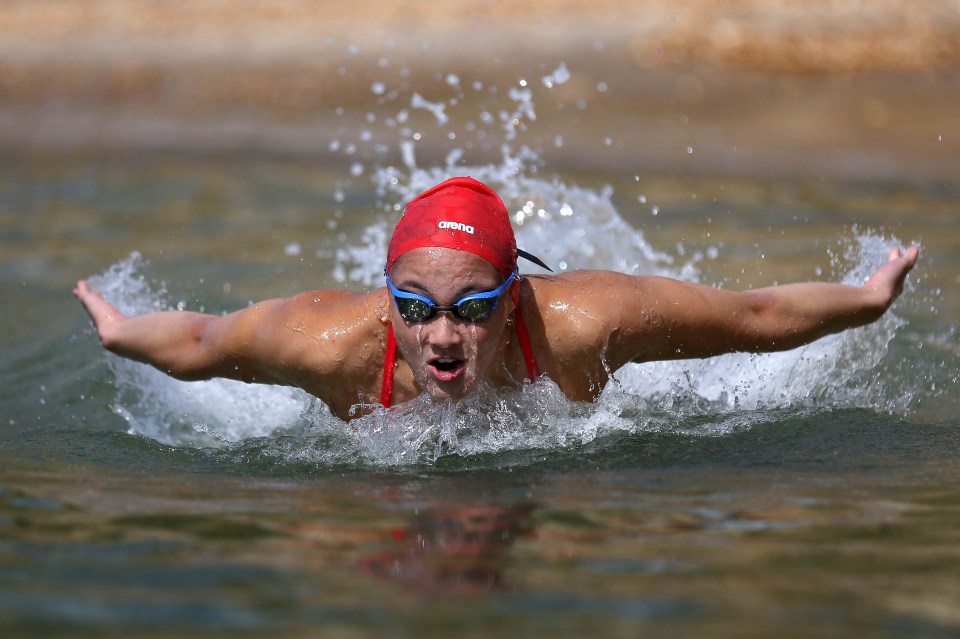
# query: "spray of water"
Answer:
x=208 y=413
x=570 y=227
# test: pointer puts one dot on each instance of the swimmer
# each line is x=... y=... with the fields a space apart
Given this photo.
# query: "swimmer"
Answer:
x=455 y=313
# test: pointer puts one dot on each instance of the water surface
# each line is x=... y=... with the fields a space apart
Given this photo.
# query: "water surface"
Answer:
x=812 y=493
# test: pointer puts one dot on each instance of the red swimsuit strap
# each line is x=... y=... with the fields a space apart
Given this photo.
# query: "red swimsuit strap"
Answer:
x=386 y=390
x=533 y=371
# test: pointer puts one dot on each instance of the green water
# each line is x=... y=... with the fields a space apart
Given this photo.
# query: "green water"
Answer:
x=829 y=519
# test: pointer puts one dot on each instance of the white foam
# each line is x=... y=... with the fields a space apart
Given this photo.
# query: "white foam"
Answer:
x=206 y=413
x=570 y=227
x=836 y=372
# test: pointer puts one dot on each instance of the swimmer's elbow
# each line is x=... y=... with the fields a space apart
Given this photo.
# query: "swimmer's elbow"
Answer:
x=767 y=325
x=774 y=321
x=198 y=369
x=212 y=359
x=200 y=354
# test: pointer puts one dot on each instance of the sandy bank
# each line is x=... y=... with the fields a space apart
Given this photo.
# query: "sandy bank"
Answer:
x=754 y=85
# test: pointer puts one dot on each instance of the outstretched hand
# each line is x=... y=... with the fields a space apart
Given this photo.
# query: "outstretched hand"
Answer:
x=102 y=312
x=888 y=279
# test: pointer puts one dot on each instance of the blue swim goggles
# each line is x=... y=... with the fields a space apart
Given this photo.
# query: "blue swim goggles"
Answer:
x=476 y=307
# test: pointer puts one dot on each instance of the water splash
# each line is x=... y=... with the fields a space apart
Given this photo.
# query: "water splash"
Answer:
x=535 y=417
x=207 y=413
x=697 y=397
x=838 y=371
x=559 y=223
x=570 y=227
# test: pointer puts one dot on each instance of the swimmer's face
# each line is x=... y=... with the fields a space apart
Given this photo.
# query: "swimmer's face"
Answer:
x=449 y=356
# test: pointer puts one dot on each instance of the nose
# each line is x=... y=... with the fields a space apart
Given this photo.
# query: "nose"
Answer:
x=443 y=331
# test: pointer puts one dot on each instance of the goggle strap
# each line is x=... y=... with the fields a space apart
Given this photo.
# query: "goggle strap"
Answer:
x=533 y=258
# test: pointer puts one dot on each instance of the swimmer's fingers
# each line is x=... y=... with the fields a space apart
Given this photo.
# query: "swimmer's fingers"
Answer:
x=888 y=279
x=100 y=310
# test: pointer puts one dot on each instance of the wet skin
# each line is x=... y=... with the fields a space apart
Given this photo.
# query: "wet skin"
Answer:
x=582 y=326
x=449 y=356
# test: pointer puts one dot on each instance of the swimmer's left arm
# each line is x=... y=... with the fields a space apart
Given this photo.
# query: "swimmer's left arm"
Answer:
x=679 y=320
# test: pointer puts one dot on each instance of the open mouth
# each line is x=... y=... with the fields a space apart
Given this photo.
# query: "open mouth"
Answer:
x=447 y=368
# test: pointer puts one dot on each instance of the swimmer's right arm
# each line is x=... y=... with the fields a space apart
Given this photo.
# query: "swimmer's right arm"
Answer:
x=183 y=344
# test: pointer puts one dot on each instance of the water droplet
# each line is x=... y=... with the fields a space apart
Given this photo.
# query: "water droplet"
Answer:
x=378 y=88
x=689 y=149
x=292 y=249
x=559 y=76
x=642 y=199
x=655 y=210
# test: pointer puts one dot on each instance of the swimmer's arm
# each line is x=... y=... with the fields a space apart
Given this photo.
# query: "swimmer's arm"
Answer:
x=188 y=345
x=681 y=320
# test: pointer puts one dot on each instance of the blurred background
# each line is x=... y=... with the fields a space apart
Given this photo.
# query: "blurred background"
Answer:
x=771 y=87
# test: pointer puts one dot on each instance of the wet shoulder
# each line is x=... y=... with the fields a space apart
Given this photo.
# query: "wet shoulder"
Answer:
x=588 y=295
x=344 y=312
x=577 y=311
x=327 y=342
x=572 y=317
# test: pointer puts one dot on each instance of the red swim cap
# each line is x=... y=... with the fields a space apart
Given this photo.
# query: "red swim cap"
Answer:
x=460 y=213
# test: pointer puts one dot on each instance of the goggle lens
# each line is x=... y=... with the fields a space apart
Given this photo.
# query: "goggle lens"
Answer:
x=477 y=307
x=413 y=310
